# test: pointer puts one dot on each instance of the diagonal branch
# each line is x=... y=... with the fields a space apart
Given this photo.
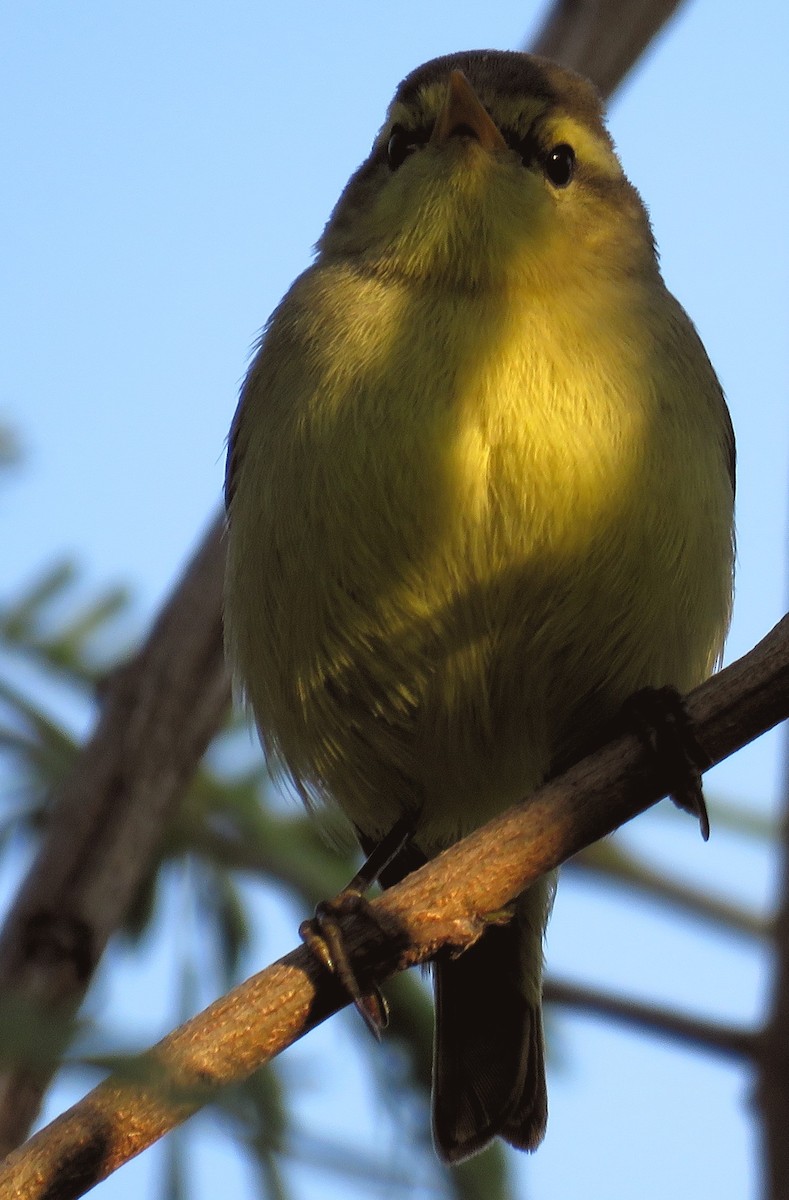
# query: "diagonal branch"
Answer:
x=602 y=38
x=107 y=822
x=443 y=904
x=160 y=713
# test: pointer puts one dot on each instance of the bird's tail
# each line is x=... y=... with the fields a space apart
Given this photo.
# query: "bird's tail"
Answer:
x=489 y=1058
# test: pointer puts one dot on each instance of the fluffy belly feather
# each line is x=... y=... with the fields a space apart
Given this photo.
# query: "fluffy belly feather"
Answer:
x=452 y=588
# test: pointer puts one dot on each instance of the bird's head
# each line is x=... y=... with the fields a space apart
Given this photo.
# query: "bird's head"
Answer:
x=491 y=168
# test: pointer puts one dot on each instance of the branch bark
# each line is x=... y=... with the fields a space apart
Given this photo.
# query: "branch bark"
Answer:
x=602 y=39
x=443 y=904
x=106 y=824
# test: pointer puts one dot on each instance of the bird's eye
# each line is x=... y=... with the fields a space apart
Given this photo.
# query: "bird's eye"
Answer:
x=401 y=143
x=560 y=165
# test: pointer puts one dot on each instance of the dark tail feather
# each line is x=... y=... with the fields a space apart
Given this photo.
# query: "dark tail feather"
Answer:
x=489 y=1062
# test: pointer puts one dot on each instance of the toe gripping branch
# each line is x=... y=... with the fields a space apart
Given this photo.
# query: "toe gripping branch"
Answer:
x=659 y=718
x=324 y=936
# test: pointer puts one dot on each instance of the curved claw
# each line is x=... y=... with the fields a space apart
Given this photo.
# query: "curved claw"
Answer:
x=661 y=721
x=324 y=936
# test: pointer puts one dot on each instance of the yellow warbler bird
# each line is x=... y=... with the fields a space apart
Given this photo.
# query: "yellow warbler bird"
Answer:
x=480 y=490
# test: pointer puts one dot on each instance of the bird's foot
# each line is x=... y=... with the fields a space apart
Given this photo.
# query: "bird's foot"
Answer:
x=659 y=718
x=324 y=935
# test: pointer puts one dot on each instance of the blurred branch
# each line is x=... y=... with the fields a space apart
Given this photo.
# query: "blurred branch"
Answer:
x=615 y=865
x=772 y=1090
x=602 y=39
x=159 y=713
x=66 y=649
x=9 y=447
x=288 y=852
x=443 y=904
x=698 y=1033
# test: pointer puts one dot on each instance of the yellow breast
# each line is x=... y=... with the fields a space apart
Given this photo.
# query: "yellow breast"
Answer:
x=464 y=528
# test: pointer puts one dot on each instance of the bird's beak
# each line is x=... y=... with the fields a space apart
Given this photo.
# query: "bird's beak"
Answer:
x=462 y=115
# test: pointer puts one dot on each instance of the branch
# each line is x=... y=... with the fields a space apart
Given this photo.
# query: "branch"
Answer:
x=701 y=1034
x=615 y=866
x=772 y=1087
x=106 y=825
x=311 y=870
x=291 y=853
x=602 y=38
x=443 y=904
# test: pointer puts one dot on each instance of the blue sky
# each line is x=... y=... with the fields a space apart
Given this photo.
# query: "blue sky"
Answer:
x=167 y=168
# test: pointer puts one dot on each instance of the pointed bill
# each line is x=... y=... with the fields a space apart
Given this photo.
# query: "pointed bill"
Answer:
x=463 y=113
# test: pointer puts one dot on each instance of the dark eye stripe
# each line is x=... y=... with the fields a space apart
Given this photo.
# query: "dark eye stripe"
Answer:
x=558 y=163
x=527 y=148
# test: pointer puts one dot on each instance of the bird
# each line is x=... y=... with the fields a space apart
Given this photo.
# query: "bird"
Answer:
x=480 y=491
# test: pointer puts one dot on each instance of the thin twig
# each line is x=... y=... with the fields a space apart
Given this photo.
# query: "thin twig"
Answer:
x=616 y=866
x=772 y=1089
x=652 y=1018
